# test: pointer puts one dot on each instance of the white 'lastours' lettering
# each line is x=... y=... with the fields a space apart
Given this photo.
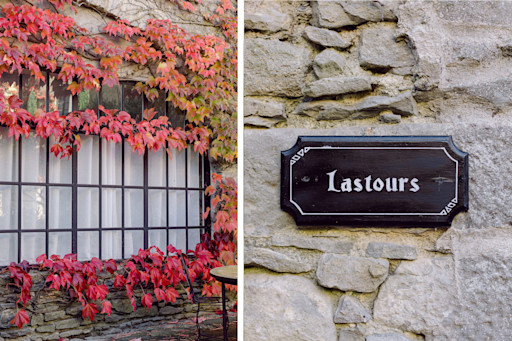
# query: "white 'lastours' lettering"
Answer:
x=370 y=185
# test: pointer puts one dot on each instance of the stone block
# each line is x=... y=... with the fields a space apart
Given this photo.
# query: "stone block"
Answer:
x=350 y=310
x=331 y=14
x=170 y=310
x=274 y=68
x=380 y=51
x=387 y=337
x=267 y=19
x=276 y=261
x=337 y=86
x=328 y=63
x=324 y=244
x=350 y=335
x=262 y=122
x=286 y=307
x=388 y=117
x=37 y=320
x=350 y=273
x=75 y=332
x=122 y=306
x=47 y=328
x=67 y=323
x=326 y=38
x=391 y=251
x=54 y=315
x=263 y=108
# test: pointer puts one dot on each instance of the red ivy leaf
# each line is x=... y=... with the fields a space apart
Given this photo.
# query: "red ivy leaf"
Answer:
x=110 y=266
x=107 y=308
x=119 y=281
x=90 y=310
x=20 y=319
x=147 y=301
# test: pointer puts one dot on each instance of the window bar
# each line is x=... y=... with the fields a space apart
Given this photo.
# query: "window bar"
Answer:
x=122 y=197
x=186 y=199
x=19 y=199
x=47 y=199
x=100 y=189
x=74 y=203
x=166 y=197
x=146 y=200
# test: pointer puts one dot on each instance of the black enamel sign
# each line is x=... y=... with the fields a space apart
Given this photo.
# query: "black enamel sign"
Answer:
x=391 y=180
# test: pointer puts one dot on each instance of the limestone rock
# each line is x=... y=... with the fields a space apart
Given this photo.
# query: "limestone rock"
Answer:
x=351 y=335
x=274 y=68
x=389 y=117
x=325 y=244
x=387 y=337
x=379 y=50
x=391 y=251
x=326 y=38
x=267 y=19
x=337 y=86
x=350 y=273
x=266 y=122
x=286 y=307
x=328 y=63
x=369 y=10
x=257 y=107
x=420 y=297
x=403 y=104
x=350 y=310
x=275 y=261
x=330 y=14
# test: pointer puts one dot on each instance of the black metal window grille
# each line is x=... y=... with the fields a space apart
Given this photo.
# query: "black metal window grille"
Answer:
x=104 y=201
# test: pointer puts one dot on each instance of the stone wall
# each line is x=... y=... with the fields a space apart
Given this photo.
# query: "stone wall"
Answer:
x=363 y=68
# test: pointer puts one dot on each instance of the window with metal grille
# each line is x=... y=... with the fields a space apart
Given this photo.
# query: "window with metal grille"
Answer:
x=105 y=201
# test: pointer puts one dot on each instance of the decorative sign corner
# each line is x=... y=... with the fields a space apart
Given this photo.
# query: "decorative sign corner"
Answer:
x=385 y=180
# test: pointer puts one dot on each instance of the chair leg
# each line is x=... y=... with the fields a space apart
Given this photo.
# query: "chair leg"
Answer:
x=197 y=320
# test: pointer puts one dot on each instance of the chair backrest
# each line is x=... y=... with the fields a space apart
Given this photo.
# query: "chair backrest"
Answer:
x=189 y=282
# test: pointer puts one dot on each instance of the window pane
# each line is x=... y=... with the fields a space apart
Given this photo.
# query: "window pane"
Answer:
x=193 y=168
x=8 y=208
x=177 y=169
x=33 y=158
x=177 y=211
x=111 y=245
x=59 y=243
x=88 y=208
x=133 y=208
x=194 y=208
x=176 y=116
x=60 y=169
x=194 y=237
x=60 y=208
x=33 y=207
x=9 y=247
x=9 y=156
x=110 y=163
x=158 y=103
x=156 y=168
x=133 y=241
x=111 y=207
x=33 y=93
x=60 y=96
x=88 y=157
x=156 y=210
x=133 y=167
x=88 y=99
x=157 y=238
x=87 y=247
x=10 y=83
x=178 y=239
x=32 y=246
x=132 y=101
x=111 y=97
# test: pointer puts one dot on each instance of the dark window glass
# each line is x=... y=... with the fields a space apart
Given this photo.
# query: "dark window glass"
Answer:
x=60 y=97
x=33 y=92
x=132 y=101
x=158 y=103
x=111 y=97
x=176 y=116
x=87 y=99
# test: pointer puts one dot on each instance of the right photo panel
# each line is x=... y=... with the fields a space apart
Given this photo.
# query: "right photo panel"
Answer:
x=377 y=170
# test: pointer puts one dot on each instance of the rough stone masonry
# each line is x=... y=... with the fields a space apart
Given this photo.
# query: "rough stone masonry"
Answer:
x=382 y=67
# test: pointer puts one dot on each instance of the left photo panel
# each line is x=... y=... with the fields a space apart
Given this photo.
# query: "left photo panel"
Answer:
x=118 y=187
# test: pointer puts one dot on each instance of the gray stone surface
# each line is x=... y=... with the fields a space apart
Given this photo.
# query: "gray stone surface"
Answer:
x=263 y=108
x=351 y=335
x=275 y=261
x=337 y=86
x=67 y=323
x=331 y=14
x=379 y=50
x=351 y=273
x=267 y=19
x=325 y=244
x=274 y=68
x=286 y=307
x=387 y=337
x=266 y=122
x=403 y=104
x=350 y=310
x=391 y=251
x=329 y=63
x=389 y=117
x=369 y=10
x=325 y=38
